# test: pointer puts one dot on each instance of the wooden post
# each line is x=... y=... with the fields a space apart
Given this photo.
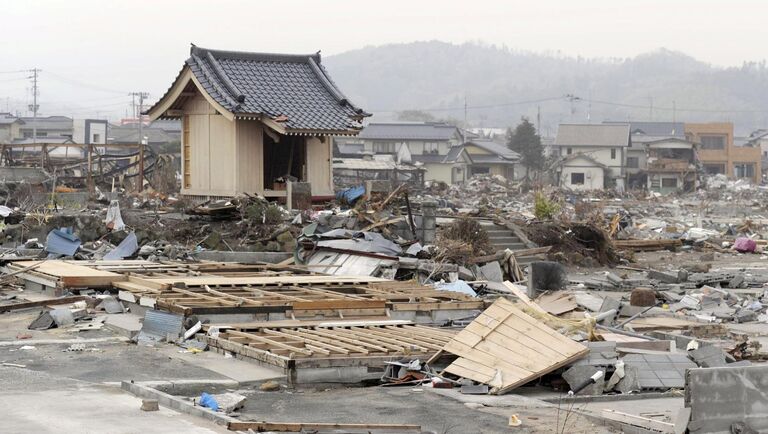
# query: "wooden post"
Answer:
x=90 y=168
x=141 y=163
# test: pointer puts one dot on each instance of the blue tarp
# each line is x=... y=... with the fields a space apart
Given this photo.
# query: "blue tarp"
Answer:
x=62 y=242
x=126 y=248
x=350 y=195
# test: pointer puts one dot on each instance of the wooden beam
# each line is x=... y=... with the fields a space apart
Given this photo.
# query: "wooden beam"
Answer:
x=49 y=302
x=299 y=427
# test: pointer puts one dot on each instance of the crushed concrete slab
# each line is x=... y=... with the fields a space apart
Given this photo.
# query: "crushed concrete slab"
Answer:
x=708 y=357
x=660 y=371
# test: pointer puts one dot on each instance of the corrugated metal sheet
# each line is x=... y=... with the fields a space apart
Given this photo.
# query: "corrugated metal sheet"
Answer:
x=161 y=325
x=345 y=264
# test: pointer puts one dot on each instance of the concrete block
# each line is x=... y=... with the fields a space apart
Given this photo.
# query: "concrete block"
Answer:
x=664 y=277
x=631 y=381
x=149 y=405
x=721 y=397
x=576 y=375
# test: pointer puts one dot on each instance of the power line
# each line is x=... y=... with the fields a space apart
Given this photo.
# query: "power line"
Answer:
x=84 y=85
x=475 y=107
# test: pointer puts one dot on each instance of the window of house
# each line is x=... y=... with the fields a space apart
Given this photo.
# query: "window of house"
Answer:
x=613 y=154
x=569 y=151
x=577 y=179
x=633 y=162
x=743 y=170
x=480 y=170
x=669 y=182
x=44 y=134
x=27 y=134
x=713 y=142
x=384 y=147
x=96 y=138
x=714 y=169
x=765 y=153
x=431 y=148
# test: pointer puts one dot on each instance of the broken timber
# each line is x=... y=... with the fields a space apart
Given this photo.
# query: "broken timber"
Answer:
x=505 y=348
x=337 y=345
x=298 y=295
x=647 y=245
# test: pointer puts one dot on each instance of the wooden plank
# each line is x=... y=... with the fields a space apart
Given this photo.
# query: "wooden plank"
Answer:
x=309 y=427
x=522 y=296
x=640 y=421
x=505 y=339
x=47 y=302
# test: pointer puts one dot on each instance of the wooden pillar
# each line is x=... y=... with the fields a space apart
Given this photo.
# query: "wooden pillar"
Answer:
x=141 y=163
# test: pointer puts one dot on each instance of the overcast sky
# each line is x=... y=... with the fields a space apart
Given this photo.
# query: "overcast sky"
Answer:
x=93 y=52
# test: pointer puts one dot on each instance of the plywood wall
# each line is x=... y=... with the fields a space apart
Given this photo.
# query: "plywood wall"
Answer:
x=212 y=150
x=319 y=165
x=250 y=156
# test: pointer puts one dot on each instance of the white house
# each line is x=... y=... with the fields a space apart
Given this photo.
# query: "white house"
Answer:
x=593 y=155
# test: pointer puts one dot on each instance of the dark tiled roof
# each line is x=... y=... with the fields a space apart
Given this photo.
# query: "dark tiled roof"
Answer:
x=409 y=131
x=657 y=129
x=294 y=90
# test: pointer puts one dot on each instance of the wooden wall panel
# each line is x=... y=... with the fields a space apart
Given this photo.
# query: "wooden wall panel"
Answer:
x=250 y=156
x=200 y=150
x=222 y=154
x=319 y=165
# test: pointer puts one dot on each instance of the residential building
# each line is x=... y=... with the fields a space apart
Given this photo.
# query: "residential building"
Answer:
x=490 y=157
x=719 y=154
x=671 y=166
x=593 y=156
x=253 y=121
x=659 y=158
x=435 y=145
x=10 y=127
x=48 y=126
x=757 y=139
x=90 y=131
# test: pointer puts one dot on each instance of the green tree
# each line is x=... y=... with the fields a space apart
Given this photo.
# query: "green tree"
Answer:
x=525 y=141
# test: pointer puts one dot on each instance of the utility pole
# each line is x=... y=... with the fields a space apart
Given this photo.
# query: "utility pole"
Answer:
x=538 y=119
x=34 y=106
x=674 y=111
x=141 y=96
x=650 y=109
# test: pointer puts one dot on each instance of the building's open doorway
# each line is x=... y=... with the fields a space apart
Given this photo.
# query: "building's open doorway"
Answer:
x=284 y=160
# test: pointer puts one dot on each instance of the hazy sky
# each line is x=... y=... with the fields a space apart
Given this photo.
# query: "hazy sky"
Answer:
x=93 y=52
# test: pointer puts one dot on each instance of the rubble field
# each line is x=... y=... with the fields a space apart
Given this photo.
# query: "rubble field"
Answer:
x=488 y=307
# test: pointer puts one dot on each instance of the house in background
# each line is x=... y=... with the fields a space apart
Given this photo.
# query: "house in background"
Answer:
x=719 y=154
x=252 y=121
x=593 y=156
x=671 y=166
x=49 y=126
x=492 y=158
x=581 y=172
x=436 y=146
x=757 y=139
x=10 y=127
x=90 y=131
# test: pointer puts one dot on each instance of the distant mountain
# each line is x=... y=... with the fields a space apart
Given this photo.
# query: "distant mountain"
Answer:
x=438 y=76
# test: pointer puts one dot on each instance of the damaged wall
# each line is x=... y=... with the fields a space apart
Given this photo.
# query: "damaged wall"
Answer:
x=720 y=397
